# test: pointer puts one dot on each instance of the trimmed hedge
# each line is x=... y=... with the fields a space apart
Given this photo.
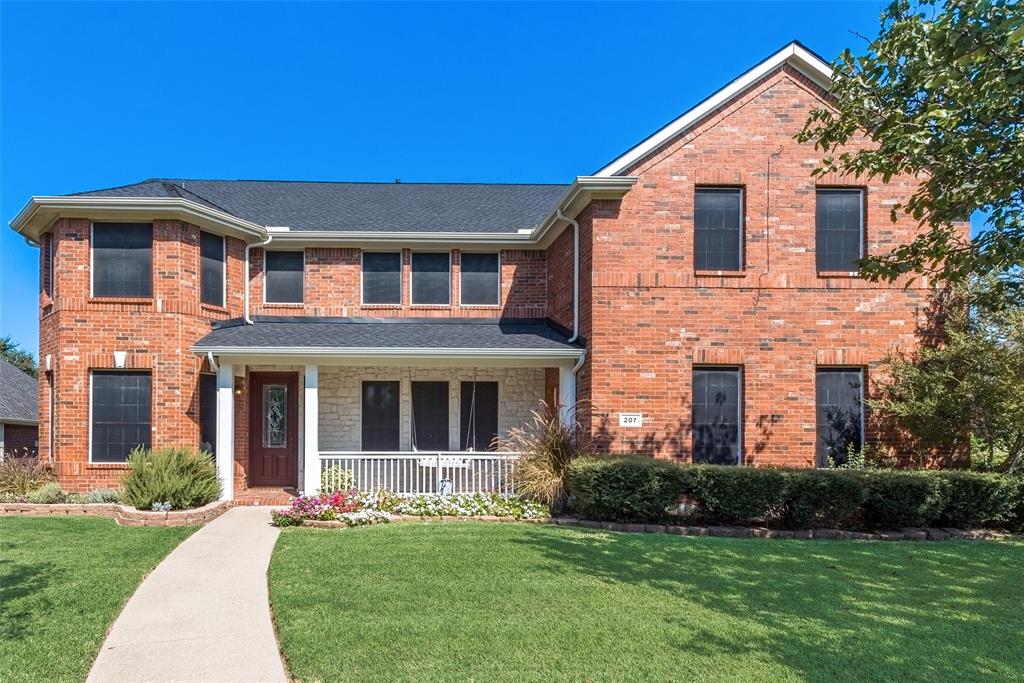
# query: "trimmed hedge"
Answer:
x=641 y=489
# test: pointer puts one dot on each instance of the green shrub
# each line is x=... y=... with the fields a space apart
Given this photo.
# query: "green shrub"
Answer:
x=974 y=499
x=20 y=476
x=179 y=476
x=900 y=499
x=48 y=493
x=739 y=494
x=103 y=496
x=626 y=489
x=335 y=478
x=824 y=498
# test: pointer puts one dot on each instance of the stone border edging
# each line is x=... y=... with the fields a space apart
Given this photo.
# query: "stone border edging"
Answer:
x=905 y=534
x=125 y=516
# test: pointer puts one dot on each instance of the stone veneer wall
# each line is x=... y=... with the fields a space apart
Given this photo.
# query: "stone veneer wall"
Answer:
x=519 y=391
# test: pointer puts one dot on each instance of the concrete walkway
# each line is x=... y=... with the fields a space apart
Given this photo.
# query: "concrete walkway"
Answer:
x=203 y=614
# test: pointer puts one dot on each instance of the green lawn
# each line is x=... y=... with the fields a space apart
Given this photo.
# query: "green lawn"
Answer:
x=62 y=583
x=517 y=602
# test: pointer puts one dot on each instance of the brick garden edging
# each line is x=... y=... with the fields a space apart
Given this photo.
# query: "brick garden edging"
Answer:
x=125 y=516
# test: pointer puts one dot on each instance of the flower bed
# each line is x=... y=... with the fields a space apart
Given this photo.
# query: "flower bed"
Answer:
x=468 y=505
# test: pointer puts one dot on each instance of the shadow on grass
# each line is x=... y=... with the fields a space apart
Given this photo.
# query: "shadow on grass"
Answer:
x=836 y=610
x=18 y=582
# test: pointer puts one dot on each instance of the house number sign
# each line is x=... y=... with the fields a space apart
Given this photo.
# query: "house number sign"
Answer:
x=631 y=419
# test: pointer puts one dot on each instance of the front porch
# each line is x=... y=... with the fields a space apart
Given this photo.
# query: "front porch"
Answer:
x=410 y=421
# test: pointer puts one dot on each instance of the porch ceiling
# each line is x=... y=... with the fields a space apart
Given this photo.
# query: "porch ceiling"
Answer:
x=382 y=340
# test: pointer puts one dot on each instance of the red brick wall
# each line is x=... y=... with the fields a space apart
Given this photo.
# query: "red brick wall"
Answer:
x=652 y=318
x=20 y=440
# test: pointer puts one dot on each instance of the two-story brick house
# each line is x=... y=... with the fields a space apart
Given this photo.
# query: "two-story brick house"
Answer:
x=698 y=293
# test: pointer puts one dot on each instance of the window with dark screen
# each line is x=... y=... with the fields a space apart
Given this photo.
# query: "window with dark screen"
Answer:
x=480 y=281
x=211 y=248
x=431 y=278
x=380 y=416
x=478 y=418
x=208 y=413
x=284 y=280
x=382 y=277
x=840 y=412
x=839 y=233
x=122 y=259
x=718 y=228
x=430 y=416
x=120 y=417
x=717 y=430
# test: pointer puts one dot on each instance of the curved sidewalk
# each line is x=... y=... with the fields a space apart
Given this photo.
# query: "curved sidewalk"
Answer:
x=204 y=613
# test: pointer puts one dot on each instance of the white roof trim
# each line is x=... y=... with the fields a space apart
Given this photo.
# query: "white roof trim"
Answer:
x=794 y=54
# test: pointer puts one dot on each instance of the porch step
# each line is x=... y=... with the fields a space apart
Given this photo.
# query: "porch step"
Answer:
x=265 y=495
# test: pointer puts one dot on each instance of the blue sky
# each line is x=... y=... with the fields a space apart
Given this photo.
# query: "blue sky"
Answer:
x=98 y=95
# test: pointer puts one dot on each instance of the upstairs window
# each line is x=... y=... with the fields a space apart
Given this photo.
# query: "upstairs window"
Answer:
x=283 y=277
x=122 y=259
x=48 y=244
x=840 y=408
x=480 y=282
x=718 y=228
x=119 y=411
x=839 y=228
x=431 y=279
x=211 y=256
x=382 y=278
x=430 y=416
x=717 y=425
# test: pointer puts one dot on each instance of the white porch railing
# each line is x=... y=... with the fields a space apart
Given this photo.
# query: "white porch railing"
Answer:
x=408 y=473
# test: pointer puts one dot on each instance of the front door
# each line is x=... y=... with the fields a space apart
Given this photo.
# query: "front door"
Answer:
x=273 y=429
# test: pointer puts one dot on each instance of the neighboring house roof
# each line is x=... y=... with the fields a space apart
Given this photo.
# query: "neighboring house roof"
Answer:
x=19 y=395
x=387 y=336
x=362 y=207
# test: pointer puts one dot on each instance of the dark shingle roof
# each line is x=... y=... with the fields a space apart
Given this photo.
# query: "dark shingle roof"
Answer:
x=389 y=207
x=19 y=395
x=386 y=333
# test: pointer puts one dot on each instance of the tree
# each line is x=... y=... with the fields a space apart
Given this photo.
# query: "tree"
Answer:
x=12 y=352
x=967 y=384
x=940 y=93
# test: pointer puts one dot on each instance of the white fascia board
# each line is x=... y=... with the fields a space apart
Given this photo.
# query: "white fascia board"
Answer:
x=403 y=352
x=794 y=54
x=398 y=356
x=19 y=422
x=583 y=190
x=378 y=239
x=39 y=214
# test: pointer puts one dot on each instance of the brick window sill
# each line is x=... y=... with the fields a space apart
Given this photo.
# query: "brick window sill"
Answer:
x=430 y=307
x=285 y=304
x=492 y=307
x=839 y=273
x=107 y=466
x=213 y=308
x=719 y=273
x=382 y=307
x=140 y=300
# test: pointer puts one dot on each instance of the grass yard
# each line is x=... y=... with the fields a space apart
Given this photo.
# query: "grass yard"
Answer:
x=517 y=602
x=62 y=583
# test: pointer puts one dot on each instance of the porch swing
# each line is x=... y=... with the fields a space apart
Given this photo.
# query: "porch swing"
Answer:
x=438 y=461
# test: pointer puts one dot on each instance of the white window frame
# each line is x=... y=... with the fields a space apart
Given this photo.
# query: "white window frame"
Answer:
x=743 y=224
x=412 y=276
x=265 y=279
x=860 y=207
x=224 y=279
x=362 y=272
x=462 y=289
x=92 y=261
x=152 y=391
x=740 y=405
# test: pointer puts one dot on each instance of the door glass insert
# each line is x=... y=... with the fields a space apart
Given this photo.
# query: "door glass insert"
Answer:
x=275 y=414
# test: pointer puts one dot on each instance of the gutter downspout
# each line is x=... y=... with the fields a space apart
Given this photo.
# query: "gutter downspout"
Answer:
x=575 y=277
x=248 y=247
x=213 y=363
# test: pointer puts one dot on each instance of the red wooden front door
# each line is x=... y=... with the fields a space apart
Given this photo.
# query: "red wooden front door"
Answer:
x=273 y=429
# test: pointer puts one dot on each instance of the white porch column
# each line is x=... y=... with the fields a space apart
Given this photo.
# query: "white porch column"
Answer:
x=311 y=436
x=226 y=430
x=566 y=395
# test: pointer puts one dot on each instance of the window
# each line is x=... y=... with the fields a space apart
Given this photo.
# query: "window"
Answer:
x=122 y=259
x=480 y=280
x=431 y=279
x=48 y=245
x=382 y=278
x=119 y=413
x=839 y=229
x=717 y=427
x=208 y=413
x=718 y=228
x=478 y=419
x=211 y=255
x=430 y=416
x=283 y=277
x=380 y=416
x=840 y=404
